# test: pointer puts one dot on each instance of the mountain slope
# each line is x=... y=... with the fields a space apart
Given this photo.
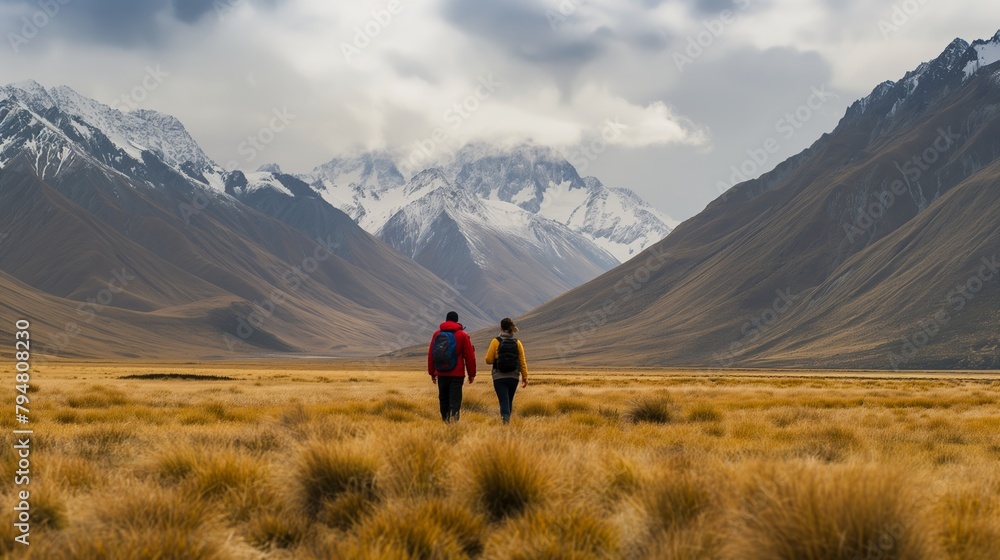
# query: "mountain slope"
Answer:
x=870 y=249
x=117 y=200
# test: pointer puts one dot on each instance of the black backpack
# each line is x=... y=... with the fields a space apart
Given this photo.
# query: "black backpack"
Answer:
x=508 y=355
x=445 y=355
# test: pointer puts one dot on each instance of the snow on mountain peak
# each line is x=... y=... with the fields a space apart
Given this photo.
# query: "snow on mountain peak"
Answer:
x=134 y=131
x=986 y=52
x=32 y=93
x=492 y=182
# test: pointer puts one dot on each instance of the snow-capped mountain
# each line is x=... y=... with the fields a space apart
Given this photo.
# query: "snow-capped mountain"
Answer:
x=929 y=81
x=507 y=228
x=532 y=179
x=68 y=126
x=203 y=260
x=348 y=183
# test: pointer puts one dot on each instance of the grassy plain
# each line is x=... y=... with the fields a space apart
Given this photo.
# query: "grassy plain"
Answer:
x=318 y=460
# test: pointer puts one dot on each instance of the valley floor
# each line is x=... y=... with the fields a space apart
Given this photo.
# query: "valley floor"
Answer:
x=313 y=459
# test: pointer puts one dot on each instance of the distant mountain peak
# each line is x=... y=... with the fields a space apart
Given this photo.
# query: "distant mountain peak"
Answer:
x=958 y=62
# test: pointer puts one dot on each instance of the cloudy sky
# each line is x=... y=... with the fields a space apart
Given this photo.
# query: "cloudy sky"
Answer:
x=664 y=97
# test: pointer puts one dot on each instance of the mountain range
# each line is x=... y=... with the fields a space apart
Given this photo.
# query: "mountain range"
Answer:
x=510 y=227
x=876 y=247
x=124 y=238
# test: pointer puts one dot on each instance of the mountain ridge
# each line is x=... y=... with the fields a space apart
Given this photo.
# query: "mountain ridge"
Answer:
x=849 y=254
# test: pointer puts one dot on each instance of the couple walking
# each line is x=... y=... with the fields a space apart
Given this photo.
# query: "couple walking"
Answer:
x=451 y=354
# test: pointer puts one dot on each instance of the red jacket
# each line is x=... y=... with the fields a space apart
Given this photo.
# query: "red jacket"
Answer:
x=463 y=347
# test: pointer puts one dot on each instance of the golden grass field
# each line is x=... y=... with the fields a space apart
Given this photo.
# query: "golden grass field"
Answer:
x=320 y=460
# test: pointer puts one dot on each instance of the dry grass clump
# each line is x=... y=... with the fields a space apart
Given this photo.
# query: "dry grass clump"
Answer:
x=535 y=408
x=704 y=412
x=143 y=522
x=810 y=512
x=98 y=397
x=831 y=444
x=971 y=528
x=415 y=464
x=674 y=500
x=432 y=530
x=217 y=473
x=336 y=546
x=650 y=409
x=336 y=483
x=554 y=533
x=396 y=409
x=506 y=477
x=283 y=528
x=48 y=510
x=102 y=441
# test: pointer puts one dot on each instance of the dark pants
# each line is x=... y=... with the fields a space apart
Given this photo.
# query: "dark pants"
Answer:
x=450 y=395
x=505 y=394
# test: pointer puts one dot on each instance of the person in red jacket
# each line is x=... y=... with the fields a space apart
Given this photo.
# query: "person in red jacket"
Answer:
x=448 y=358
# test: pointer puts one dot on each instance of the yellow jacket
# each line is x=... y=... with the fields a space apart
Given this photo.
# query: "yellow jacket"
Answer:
x=491 y=356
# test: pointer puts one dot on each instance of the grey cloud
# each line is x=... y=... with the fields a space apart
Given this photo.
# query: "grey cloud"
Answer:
x=523 y=30
x=705 y=7
x=126 y=23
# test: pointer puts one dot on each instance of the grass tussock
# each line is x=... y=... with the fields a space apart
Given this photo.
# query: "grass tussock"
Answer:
x=535 y=408
x=507 y=478
x=557 y=532
x=48 y=510
x=336 y=482
x=651 y=410
x=98 y=397
x=217 y=473
x=813 y=513
x=704 y=412
x=675 y=500
x=972 y=524
x=283 y=528
x=432 y=530
x=415 y=465
x=831 y=444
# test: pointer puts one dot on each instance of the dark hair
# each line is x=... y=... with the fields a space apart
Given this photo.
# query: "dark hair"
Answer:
x=452 y=316
x=507 y=324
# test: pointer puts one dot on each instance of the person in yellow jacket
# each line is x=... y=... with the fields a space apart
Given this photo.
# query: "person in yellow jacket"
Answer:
x=506 y=355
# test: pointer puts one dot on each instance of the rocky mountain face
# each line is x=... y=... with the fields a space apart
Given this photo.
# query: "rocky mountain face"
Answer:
x=876 y=247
